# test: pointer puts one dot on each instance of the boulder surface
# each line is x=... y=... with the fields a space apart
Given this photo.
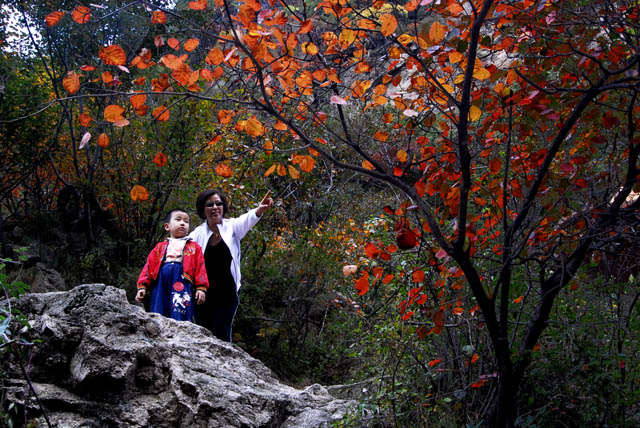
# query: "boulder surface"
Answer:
x=98 y=361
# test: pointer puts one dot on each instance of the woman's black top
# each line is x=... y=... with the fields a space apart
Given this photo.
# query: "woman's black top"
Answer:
x=217 y=261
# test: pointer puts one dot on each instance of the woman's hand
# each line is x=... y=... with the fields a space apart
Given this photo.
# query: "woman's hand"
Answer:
x=265 y=204
x=201 y=296
x=140 y=294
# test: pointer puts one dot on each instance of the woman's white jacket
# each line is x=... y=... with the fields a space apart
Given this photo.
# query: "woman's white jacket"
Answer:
x=231 y=231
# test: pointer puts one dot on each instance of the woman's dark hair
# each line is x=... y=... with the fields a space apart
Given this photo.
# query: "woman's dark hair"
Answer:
x=204 y=196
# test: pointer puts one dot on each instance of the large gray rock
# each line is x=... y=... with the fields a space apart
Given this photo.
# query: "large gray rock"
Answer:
x=103 y=362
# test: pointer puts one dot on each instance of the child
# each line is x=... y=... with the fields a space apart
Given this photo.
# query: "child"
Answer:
x=174 y=266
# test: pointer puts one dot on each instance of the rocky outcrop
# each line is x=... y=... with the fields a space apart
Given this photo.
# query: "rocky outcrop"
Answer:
x=99 y=361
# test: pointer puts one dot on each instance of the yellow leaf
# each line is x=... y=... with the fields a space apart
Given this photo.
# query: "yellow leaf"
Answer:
x=474 y=113
x=347 y=37
x=481 y=73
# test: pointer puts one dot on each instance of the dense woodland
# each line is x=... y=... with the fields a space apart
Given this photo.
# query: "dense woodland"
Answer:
x=456 y=186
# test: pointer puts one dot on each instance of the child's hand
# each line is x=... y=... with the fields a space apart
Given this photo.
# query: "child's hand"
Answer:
x=201 y=296
x=140 y=294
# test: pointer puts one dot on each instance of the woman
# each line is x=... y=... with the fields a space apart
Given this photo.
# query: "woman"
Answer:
x=220 y=238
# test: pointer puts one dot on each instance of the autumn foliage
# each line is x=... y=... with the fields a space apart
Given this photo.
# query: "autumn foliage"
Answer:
x=509 y=128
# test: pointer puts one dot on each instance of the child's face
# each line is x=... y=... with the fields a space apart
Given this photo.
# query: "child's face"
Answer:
x=178 y=226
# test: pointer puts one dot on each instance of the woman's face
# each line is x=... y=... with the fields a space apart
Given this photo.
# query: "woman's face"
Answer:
x=214 y=210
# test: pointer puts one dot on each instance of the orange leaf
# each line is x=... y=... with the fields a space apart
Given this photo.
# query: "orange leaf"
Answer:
x=306 y=163
x=280 y=126
x=474 y=358
x=113 y=112
x=381 y=136
x=401 y=155
x=368 y=165
x=388 y=24
x=160 y=159
x=161 y=113
x=139 y=193
x=198 y=5
x=305 y=27
x=293 y=172
x=434 y=362
x=437 y=32
x=171 y=61
x=518 y=299
x=191 y=44
x=223 y=170
x=81 y=14
x=112 y=55
x=103 y=140
x=270 y=171
x=107 y=77
x=71 y=82
x=158 y=17
x=214 y=57
x=224 y=116
x=138 y=100
x=84 y=119
x=173 y=43
x=53 y=18
x=254 y=127
x=418 y=275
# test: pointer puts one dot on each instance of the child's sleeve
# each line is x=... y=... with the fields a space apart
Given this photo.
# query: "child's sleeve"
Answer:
x=145 y=276
x=200 y=278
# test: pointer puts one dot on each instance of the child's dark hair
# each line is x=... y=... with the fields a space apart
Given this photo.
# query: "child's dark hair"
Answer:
x=202 y=200
x=167 y=219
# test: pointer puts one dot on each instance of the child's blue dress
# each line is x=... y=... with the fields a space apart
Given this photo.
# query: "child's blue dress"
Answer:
x=172 y=296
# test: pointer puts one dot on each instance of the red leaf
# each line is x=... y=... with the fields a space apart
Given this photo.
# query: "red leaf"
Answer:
x=362 y=284
x=160 y=159
x=81 y=14
x=371 y=251
x=53 y=18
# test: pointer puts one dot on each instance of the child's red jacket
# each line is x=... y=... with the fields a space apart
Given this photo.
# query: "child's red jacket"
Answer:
x=192 y=265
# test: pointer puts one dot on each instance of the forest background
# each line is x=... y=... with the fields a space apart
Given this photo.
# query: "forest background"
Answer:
x=456 y=184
